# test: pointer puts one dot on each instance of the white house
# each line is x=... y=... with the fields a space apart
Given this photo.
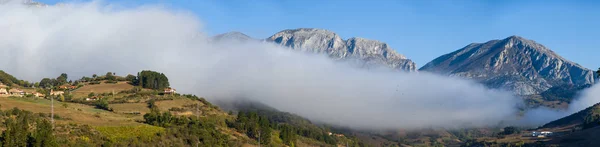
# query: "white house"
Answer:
x=541 y=134
x=16 y=91
x=52 y=92
x=169 y=91
x=3 y=91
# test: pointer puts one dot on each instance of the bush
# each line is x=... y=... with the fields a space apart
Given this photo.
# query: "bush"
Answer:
x=176 y=109
x=118 y=134
x=102 y=104
x=510 y=130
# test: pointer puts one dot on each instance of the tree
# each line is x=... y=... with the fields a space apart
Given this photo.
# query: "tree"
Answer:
x=16 y=133
x=62 y=79
x=152 y=79
x=598 y=72
x=511 y=130
x=287 y=134
x=62 y=97
x=103 y=104
x=265 y=133
x=130 y=78
x=42 y=137
x=110 y=76
x=45 y=83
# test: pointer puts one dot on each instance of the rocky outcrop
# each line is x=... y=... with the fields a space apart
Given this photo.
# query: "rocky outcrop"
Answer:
x=371 y=52
x=515 y=63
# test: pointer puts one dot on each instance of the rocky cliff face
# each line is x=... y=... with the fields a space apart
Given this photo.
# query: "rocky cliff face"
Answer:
x=371 y=52
x=515 y=63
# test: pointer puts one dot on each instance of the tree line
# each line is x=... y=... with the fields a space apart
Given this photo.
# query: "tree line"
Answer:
x=19 y=130
x=260 y=123
x=10 y=80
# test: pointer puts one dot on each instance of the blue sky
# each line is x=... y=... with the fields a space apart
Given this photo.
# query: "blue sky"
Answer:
x=421 y=30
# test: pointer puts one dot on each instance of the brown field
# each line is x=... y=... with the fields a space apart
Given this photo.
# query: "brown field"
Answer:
x=101 y=88
x=126 y=108
x=73 y=113
x=166 y=105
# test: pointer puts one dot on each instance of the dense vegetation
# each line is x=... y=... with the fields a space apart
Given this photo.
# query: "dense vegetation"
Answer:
x=10 y=80
x=152 y=80
x=192 y=130
x=256 y=119
x=589 y=117
x=19 y=130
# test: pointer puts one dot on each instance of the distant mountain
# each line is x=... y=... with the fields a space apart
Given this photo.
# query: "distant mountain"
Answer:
x=232 y=36
x=514 y=63
x=371 y=52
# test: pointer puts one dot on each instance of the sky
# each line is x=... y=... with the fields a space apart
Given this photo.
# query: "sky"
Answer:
x=421 y=30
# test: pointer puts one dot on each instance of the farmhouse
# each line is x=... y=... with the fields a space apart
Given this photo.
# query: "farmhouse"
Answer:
x=169 y=91
x=16 y=91
x=93 y=98
x=57 y=92
x=37 y=94
x=3 y=91
x=67 y=87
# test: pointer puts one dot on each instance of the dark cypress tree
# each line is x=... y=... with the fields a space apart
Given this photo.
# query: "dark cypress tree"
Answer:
x=152 y=79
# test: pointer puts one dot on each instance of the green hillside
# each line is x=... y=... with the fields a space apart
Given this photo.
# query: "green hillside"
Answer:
x=110 y=110
x=10 y=80
x=586 y=118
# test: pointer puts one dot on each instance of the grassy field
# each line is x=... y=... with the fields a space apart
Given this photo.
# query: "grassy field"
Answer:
x=101 y=88
x=72 y=113
x=130 y=107
x=166 y=105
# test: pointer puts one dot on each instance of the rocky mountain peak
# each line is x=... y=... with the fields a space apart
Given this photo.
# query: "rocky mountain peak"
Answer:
x=513 y=63
x=232 y=36
x=327 y=42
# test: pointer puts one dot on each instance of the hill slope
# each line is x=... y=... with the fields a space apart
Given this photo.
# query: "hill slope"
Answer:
x=514 y=63
x=586 y=118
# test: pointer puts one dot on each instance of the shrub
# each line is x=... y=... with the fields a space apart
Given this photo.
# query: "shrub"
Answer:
x=111 y=82
x=102 y=104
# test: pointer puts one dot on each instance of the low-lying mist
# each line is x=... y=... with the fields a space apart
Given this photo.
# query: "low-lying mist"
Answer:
x=86 y=38
x=584 y=99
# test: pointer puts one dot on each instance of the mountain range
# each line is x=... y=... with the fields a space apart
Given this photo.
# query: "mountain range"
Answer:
x=516 y=64
x=370 y=52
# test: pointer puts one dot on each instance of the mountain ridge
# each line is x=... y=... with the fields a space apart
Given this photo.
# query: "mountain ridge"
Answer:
x=514 y=63
x=321 y=41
